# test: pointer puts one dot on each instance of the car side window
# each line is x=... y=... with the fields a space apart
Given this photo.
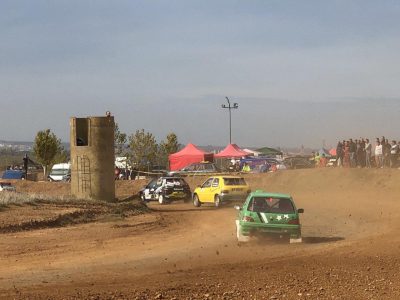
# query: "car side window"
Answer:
x=215 y=182
x=207 y=183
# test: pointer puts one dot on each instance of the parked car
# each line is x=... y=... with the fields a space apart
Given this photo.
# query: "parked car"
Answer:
x=220 y=189
x=13 y=174
x=298 y=163
x=196 y=168
x=262 y=164
x=7 y=186
x=60 y=172
x=166 y=189
x=266 y=213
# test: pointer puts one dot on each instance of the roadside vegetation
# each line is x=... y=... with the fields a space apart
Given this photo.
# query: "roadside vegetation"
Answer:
x=142 y=149
x=14 y=198
x=48 y=150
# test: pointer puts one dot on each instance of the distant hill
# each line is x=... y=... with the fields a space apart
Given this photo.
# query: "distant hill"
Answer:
x=26 y=144
x=208 y=148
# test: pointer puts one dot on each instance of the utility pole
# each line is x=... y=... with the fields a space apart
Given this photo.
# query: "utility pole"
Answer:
x=230 y=107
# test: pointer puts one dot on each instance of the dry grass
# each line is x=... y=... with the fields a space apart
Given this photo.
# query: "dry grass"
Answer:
x=15 y=198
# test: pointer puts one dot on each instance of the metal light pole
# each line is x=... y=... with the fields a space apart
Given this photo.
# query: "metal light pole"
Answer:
x=230 y=107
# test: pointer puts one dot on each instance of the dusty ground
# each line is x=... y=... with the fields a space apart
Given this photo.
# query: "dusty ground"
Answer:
x=350 y=249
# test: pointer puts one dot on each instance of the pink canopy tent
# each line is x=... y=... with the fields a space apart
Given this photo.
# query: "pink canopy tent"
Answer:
x=188 y=155
x=232 y=151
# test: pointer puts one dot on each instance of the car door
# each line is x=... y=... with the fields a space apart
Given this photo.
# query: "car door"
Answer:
x=214 y=189
x=205 y=190
x=149 y=189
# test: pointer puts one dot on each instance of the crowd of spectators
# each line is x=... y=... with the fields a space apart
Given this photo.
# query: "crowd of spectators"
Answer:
x=361 y=153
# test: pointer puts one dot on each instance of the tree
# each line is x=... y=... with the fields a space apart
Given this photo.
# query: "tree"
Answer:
x=120 y=140
x=46 y=148
x=167 y=147
x=143 y=149
x=62 y=156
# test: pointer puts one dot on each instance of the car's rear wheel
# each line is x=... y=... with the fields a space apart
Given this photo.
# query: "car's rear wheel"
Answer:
x=217 y=201
x=296 y=238
x=161 y=199
x=196 y=201
x=240 y=237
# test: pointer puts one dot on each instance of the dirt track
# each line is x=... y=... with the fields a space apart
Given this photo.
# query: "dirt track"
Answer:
x=350 y=249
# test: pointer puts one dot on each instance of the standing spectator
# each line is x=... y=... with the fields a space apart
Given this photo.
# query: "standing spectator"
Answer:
x=378 y=155
x=359 y=153
x=382 y=142
x=339 y=154
x=398 y=151
x=386 y=152
x=394 y=150
x=362 y=153
x=352 y=148
x=312 y=158
x=346 y=155
x=246 y=168
x=368 y=148
x=323 y=161
x=117 y=171
x=134 y=173
x=317 y=159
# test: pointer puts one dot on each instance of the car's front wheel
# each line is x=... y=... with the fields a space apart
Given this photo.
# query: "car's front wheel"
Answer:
x=142 y=197
x=217 y=201
x=196 y=201
x=161 y=199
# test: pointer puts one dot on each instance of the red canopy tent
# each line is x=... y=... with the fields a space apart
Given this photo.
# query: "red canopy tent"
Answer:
x=232 y=151
x=188 y=155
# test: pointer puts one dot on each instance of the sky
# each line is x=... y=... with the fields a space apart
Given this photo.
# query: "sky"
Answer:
x=302 y=72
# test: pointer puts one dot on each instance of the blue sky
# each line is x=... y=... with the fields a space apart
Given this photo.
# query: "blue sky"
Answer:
x=301 y=71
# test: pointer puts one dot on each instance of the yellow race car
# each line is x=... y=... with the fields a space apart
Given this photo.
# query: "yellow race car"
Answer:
x=220 y=189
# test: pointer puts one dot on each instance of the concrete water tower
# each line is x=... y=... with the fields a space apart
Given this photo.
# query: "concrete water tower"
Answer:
x=92 y=158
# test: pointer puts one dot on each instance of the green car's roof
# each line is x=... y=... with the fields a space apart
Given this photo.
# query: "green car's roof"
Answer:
x=267 y=194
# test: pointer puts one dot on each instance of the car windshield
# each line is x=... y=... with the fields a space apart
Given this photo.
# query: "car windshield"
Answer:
x=271 y=205
x=234 y=181
x=175 y=181
x=189 y=168
x=59 y=171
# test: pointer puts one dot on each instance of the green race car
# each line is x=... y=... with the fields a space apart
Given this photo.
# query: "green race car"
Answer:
x=266 y=213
